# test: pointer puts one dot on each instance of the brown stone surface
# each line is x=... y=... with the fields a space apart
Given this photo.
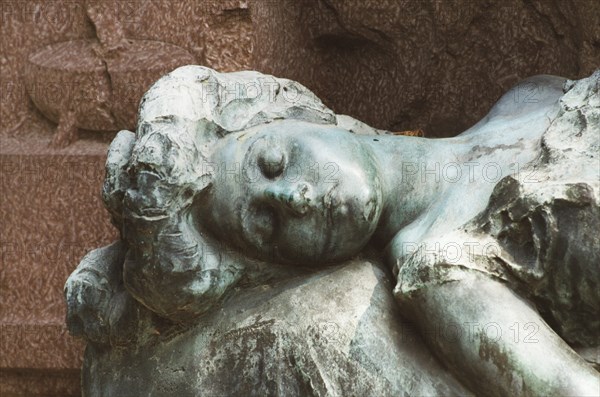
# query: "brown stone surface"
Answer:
x=17 y=383
x=431 y=64
x=99 y=82
x=50 y=205
x=102 y=91
x=215 y=33
x=51 y=215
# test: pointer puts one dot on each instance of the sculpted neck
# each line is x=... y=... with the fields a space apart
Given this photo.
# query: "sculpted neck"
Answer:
x=412 y=177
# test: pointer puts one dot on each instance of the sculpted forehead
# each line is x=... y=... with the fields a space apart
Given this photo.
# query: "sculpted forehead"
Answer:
x=294 y=136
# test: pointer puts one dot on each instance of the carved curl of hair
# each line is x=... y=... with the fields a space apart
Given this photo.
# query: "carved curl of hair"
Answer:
x=186 y=111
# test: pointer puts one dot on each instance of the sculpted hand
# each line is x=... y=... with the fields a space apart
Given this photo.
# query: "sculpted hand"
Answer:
x=99 y=308
x=88 y=294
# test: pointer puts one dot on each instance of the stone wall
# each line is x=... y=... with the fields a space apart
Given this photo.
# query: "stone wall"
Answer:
x=436 y=65
x=50 y=198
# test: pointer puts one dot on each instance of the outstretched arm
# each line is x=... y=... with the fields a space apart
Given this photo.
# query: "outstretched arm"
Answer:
x=496 y=342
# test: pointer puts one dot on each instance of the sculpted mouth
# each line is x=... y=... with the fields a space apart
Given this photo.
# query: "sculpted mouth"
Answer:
x=305 y=200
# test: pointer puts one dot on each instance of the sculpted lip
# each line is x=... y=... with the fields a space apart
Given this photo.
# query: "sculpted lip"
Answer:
x=297 y=200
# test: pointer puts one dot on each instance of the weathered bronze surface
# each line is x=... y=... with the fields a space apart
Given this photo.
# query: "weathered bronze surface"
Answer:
x=262 y=235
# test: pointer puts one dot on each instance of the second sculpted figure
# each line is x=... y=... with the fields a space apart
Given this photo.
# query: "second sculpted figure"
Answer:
x=262 y=236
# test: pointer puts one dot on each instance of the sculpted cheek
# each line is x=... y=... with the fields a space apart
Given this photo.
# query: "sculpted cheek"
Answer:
x=258 y=224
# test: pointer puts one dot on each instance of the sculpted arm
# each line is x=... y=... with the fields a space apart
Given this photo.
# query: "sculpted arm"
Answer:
x=495 y=341
x=505 y=362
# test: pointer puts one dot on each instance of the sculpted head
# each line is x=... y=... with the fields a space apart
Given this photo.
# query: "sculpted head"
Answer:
x=271 y=176
x=293 y=192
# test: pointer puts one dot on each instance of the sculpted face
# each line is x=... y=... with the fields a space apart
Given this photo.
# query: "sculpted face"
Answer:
x=289 y=192
x=293 y=192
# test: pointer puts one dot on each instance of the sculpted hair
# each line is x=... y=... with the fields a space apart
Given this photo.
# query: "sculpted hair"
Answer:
x=185 y=112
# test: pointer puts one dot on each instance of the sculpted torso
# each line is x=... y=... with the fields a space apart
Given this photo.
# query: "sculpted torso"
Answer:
x=219 y=196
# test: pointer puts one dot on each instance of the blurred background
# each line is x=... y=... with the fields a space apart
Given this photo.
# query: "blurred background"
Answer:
x=77 y=69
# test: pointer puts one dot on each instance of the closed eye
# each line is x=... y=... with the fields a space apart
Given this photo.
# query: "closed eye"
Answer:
x=271 y=162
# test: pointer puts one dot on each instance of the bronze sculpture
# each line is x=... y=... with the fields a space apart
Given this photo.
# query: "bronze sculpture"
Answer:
x=237 y=181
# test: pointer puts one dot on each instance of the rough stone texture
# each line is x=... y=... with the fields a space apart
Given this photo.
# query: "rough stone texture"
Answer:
x=63 y=227
x=434 y=65
x=44 y=234
x=218 y=34
x=99 y=82
x=541 y=217
x=45 y=230
x=541 y=222
x=40 y=383
x=97 y=92
x=538 y=234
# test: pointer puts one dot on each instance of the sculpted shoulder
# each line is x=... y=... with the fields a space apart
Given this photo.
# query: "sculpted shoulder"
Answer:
x=501 y=145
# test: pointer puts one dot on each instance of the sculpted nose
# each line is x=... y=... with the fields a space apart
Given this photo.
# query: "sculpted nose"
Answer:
x=295 y=198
